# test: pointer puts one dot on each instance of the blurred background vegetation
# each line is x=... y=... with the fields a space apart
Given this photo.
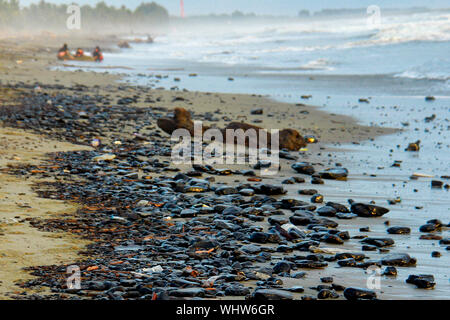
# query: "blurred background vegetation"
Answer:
x=52 y=17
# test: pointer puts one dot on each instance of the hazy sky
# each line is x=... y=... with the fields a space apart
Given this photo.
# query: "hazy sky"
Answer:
x=280 y=7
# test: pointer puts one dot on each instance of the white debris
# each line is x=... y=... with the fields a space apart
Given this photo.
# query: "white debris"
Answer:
x=105 y=157
x=314 y=249
x=422 y=175
x=142 y=203
x=156 y=269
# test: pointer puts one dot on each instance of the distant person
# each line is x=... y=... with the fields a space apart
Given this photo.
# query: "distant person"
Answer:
x=64 y=48
x=64 y=53
x=97 y=54
x=79 y=53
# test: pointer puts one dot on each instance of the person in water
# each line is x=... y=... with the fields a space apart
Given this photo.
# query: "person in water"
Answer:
x=64 y=48
x=97 y=54
x=64 y=53
x=79 y=53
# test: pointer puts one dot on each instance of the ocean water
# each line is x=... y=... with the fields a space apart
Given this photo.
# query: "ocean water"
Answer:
x=403 y=46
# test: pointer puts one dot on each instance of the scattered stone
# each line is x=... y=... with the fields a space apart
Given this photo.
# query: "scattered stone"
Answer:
x=368 y=210
x=414 y=147
x=423 y=281
x=399 y=230
x=304 y=168
x=334 y=174
x=390 y=271
x=359 y=294
x=399 y=260
x=271 y=294
x=317 y=198
x=378 y=242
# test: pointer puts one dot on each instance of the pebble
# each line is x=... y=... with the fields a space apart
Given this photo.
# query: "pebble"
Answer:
x=317 y=198
x=399 y=260
x=378 y=242
x=270 y=294
x=368 y=210
x=423 y=281
x=359 y=294
x=399 y=230
x=304 y=168
x=334 y=174
x=390 y=271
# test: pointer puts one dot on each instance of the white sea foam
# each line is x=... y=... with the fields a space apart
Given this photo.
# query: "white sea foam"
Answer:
x=404 y=45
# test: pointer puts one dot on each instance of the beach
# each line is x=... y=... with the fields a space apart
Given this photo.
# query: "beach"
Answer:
x=109 y=228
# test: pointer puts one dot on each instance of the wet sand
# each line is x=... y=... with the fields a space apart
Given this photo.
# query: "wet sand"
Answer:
x=21 y=244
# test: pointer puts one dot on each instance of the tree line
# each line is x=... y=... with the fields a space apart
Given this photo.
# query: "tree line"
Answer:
x=48 y=16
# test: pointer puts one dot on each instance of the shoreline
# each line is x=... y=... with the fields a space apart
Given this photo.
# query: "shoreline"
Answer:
x=329 y=128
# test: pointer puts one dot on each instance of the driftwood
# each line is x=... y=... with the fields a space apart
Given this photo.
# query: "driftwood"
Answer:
x=289 y=139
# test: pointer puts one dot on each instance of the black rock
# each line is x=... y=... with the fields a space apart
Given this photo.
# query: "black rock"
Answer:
x=308 y=192
x=334 y=174
x=262 y=164
x=237 y=291
x=436 y=254
x=271 y=294
x=326 y=211
x=288 y=181
x=296 y=289
x=359 y=294
x=298 y=275
x=399 y=230
x=247 y=192
x=308 y=264
x=431 y=226
x=349 y=255
x=258 y=111
x=390 y=271
x=188 y=292
x=317 y=180
x=379 y=242
x=304 y=168
x=225 y=190
x=326 y=279
x=338 y=207
x=290 y=203
x=270 y=190
x=318 y=198
x=301 y=218
x=422 y=281
x=278 y=220
x=188 y=213
x=368 y=210
x=259 y=237
x=334 y=239
x=263 y=237
x=282 y=267
x=399 y=260
x=327 y=294
x=436 y=184
x=350 y=262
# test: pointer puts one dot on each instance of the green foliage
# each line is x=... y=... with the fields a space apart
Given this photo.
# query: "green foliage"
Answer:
x=48 y=16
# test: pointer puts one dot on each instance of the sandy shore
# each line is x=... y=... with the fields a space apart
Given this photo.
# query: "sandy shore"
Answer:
x=21 y=244
x=28 y=61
